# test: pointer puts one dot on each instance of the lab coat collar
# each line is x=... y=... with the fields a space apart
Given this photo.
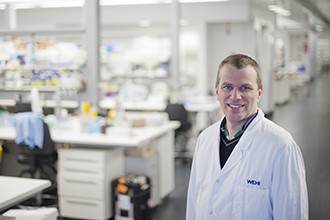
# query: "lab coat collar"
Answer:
x=244 y=143
x=252 y=124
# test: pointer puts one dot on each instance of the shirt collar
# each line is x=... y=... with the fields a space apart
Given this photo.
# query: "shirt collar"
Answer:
x=248 y=122
x=241 y=131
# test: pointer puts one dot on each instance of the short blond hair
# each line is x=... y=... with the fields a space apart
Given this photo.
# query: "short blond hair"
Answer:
x=240 y=61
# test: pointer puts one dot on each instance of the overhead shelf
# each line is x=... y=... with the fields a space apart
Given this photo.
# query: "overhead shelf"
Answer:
x=51 y=32
x=28 y=88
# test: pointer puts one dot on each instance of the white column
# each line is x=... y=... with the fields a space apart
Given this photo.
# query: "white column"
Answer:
x=312 y=38
x=202 y=74
x=175 y=60
x=92 y=42
x=329 y=50
x=10 y=17
x=265 y=51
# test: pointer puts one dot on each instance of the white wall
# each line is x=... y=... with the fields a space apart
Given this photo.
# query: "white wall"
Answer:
x=129 y=14
x=49 y=18
x=2 y=19
x=225 y=39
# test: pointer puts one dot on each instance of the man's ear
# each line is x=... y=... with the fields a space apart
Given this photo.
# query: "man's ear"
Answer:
x=217 y=92
x=259 y=94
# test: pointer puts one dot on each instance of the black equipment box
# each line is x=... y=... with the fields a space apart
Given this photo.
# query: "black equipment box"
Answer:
x=131 y=195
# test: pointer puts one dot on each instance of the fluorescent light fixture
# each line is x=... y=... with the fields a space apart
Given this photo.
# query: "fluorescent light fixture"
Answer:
x=286 y=23
x=140 y=2
x=201 y=1
x=28 y=4
x=144 y=23
x=184 y=22
x=318 y=28
x=279 y=10
x=62 y=4
x=132 y=2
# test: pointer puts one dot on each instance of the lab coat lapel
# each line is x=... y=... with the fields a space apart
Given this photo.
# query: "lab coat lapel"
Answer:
x=243 y=145
x=216 y=140
x=234 y=158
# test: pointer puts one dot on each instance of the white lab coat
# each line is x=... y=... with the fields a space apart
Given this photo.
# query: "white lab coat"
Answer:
x=264 y=177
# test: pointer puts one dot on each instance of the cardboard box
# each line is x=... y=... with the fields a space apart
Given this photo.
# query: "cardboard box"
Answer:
x=136 y=123
x=144 y=151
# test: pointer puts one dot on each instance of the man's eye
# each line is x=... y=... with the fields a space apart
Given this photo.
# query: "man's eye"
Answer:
x=227 y=87
x=245 y=88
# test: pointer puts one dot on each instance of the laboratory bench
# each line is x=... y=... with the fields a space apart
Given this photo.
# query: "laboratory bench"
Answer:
x=88 y=162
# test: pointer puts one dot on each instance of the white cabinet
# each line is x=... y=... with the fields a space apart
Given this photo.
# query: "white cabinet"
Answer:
x=281 y=91
x=159 y=166
x=84 y=182
x=147 y=166
x=165 y=152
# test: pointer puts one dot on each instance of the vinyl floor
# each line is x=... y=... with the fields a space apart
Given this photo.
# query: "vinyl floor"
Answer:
x=307 y=117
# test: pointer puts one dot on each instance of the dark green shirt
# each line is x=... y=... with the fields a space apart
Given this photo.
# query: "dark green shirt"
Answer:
x=227 y=146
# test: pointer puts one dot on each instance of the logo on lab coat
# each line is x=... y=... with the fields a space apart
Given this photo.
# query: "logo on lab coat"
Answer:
x=253 y=182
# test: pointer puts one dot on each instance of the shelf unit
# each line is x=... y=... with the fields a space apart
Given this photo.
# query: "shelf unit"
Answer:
x=25 y=68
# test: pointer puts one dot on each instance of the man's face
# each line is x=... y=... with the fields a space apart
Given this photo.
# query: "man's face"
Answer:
x=238 y=93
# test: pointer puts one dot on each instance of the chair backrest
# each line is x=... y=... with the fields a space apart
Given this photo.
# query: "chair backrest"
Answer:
x=37 y=158
x=177 y=112
x=22 y=107
x=48 y=145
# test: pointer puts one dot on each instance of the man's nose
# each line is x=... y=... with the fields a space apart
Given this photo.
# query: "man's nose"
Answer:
x=236 y=94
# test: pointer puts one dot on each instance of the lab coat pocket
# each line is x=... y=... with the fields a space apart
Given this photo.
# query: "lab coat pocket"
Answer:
x=251 y=203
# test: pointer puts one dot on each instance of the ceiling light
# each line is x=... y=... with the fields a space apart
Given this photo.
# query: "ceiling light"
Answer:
x=140 y=2
x=27 y=4
x=144 y=23
x=279 y=10
x=184 y=22
x=286 y=23
x=132 y=2
x=191 y=1
x=62 y=4
x=318 y=28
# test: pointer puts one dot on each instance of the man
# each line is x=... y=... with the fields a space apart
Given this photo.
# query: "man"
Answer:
x=245 y=166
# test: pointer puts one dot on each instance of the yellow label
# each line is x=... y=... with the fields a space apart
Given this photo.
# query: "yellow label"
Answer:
x=0 y=152
x=86 y=107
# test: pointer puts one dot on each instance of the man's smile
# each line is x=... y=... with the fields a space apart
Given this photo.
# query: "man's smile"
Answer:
x=235 y=106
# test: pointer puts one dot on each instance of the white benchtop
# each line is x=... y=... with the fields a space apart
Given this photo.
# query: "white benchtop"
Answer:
x=16 y=189
x=135 y=138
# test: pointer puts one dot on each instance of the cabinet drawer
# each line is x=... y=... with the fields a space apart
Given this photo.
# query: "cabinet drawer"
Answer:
x=81 y=167
x=82 y=161
x=84 y=208
x=84 y=186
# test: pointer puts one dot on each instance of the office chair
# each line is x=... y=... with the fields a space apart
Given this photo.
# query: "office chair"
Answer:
x=22 y=107
x=38 y=159
x=40 y=163
x=177 y=112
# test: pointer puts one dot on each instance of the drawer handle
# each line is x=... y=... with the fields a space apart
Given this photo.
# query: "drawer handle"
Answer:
x=81 y=203
x=79 y=171
x=80 y=159
x=80 y=181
